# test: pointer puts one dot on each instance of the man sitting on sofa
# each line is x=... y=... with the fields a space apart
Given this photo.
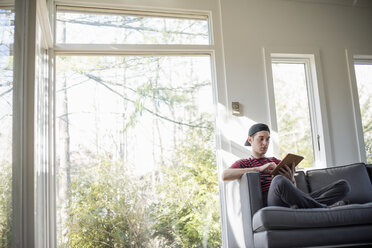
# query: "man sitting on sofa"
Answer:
x=281 y=190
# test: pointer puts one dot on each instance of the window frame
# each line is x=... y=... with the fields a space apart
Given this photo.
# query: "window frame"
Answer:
x=203 y=15
x=217 y=76
x=316 y=98
x=24 y=138
x=354 y=56
x=23 y=186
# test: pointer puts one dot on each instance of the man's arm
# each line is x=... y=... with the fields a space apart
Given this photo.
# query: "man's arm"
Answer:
x=236 y=173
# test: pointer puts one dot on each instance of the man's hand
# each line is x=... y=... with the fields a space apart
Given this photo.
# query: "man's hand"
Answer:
x=267 y=168
x=288 y=172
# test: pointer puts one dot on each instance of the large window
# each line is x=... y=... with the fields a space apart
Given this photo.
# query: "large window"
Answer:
x=135 y=159
x=363 y=72
x=6 y=123
x=295 y=108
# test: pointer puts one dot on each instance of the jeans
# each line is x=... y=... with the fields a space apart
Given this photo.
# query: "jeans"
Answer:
x=283 y=192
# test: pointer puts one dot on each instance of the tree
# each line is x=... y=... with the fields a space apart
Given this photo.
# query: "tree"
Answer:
x=111 y=205
x=366 y=116
x=363 y=74
x=108 y=211
x=5 y=204
x=187 y=213
x=292 y=111
x=6 y=117
x=120 y=211
x=95 y=175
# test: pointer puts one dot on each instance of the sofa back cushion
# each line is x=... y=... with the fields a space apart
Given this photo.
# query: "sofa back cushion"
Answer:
x=369 y=169
x=355 y=174
x=301 y=181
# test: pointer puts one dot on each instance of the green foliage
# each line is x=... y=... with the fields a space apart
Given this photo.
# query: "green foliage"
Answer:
x=5 y=204
x=187 y=214
x=294 y=138
x=175 y=205
x=366 y=113
x=108 y=208
x=363 y=74
x=366 y=110
x=292 y=111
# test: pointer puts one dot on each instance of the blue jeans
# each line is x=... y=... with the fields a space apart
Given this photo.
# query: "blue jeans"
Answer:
x=283 y=192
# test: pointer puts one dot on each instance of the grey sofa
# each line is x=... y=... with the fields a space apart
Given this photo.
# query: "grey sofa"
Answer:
x=250 y=224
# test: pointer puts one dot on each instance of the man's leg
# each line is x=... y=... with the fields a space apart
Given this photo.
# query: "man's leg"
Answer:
x=332 y=193
x=283 y=193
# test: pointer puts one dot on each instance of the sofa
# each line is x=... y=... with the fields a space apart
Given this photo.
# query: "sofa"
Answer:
x=251 y=224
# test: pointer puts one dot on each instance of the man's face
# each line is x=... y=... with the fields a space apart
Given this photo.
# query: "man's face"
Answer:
x=260 y=142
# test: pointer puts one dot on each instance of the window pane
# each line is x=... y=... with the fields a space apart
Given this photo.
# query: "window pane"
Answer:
x=292 y=110
x=115 y=28
x=364 y=81
x=136 y=152
x=6 y=126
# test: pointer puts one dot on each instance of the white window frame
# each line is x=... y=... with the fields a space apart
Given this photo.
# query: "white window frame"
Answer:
x=317 y=103
x=25 y=222
x=214 y=50
x=44 y=149
x=23 y=126
x=354 y=56
x=32 y=175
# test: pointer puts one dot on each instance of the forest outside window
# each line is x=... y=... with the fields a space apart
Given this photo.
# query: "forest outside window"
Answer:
x=135 y=146
x=363 y=73
x=295 y=108
x=77 y=26
x=6 y=122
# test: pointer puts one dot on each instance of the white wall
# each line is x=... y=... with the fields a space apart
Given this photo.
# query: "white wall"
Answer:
x=251 y=25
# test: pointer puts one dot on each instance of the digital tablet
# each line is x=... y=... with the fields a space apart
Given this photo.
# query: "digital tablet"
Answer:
x=288 y=160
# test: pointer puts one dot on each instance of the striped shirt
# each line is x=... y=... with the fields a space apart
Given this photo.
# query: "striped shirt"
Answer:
x=265 y=178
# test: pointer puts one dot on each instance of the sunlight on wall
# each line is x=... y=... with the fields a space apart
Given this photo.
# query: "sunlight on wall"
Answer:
x=234 y=133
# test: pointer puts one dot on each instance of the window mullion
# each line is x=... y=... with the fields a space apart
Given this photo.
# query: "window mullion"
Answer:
x=24 y=123
x=75 y=49
x=313 y=113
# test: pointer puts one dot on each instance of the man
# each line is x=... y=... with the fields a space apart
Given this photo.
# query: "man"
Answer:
x=281 y=190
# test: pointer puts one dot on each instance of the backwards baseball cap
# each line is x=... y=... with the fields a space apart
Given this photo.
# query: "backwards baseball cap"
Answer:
x=256 y=128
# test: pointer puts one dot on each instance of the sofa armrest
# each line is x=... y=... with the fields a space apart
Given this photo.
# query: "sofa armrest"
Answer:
x=251 y=202
x=250 y=192
x=243 y=199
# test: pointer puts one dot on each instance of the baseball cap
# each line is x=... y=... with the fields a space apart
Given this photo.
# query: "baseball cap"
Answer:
x=254 y=129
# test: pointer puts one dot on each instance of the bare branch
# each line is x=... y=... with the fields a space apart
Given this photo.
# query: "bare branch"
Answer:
x=141 y=28
x=5 y=92
x=100 y=81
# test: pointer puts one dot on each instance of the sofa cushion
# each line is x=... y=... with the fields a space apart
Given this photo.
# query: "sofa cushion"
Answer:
x=281 y=218
x=369 y=169
x=301 y=182
x=351 y=236
x=355 y=174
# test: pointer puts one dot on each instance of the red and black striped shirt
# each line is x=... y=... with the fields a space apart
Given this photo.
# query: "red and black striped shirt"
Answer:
x=265 y=178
